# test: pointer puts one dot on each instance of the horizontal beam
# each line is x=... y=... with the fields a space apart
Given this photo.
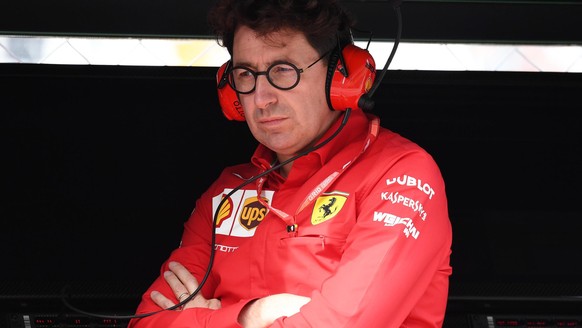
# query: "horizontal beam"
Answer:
x=526 y=21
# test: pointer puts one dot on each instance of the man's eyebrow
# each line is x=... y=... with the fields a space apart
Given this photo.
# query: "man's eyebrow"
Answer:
x=275 y=61
x=242 y=63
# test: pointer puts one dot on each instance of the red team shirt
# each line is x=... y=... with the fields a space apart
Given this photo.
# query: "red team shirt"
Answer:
x=360 y=226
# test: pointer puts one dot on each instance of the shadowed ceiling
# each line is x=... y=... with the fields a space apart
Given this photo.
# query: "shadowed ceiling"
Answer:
x=500 y=21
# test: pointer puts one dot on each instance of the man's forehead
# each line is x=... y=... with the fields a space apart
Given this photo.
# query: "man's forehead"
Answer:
x=276 y=39
x=249 y=44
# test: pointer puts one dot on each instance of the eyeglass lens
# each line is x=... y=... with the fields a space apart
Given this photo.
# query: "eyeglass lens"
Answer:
x=282 y=76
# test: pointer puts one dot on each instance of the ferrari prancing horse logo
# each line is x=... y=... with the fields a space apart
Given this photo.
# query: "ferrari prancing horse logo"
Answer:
x=327 y=206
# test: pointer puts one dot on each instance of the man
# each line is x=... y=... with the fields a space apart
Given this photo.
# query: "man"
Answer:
x=335 y=221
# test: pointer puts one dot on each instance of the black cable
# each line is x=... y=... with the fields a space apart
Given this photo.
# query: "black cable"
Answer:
x=396 y=6
x=213 y=238
x=248 y=181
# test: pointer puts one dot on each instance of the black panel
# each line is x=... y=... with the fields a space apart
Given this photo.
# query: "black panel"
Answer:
x=101 y=165
x=105 y=17
x=473 y=21
x=477 y=21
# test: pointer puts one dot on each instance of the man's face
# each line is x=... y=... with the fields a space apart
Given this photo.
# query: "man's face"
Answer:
x=286 y=121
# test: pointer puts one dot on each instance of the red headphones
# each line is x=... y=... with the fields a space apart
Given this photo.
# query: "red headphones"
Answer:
x=350 y=76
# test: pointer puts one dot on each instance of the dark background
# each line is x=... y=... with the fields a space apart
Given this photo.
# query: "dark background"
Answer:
x=101 y=165
x=535 y=21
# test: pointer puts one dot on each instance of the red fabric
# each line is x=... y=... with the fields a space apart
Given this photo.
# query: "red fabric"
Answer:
x=371 y=249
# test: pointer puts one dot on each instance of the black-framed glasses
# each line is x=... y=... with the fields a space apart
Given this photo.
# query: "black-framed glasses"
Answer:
x=281 y=75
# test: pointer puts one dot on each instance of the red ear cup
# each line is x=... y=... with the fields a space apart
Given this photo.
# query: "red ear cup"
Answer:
x=349 y=78
x=349 y=84
x=227 y=97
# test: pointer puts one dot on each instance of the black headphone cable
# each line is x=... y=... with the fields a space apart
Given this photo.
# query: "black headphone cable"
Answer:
x=64 y=295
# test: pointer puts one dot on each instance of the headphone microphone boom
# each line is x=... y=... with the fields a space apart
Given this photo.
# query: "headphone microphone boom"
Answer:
x=350 y=76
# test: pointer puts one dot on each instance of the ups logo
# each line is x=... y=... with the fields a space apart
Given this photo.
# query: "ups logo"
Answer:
x=253 y=212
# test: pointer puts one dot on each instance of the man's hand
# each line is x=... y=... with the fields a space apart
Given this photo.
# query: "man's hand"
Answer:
x=183 y=283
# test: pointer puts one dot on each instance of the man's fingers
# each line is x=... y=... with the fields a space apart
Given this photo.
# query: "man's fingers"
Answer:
x=183 y=283
x=161 y=300
x=180 y=291
x=185 y=277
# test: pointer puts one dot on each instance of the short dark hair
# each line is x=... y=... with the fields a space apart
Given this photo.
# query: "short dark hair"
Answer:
x=323 y=22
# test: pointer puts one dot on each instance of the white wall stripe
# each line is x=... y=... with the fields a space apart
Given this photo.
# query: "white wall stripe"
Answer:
x=206 y=52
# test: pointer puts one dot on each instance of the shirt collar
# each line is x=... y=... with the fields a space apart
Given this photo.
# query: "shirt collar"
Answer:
x=355 y=129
